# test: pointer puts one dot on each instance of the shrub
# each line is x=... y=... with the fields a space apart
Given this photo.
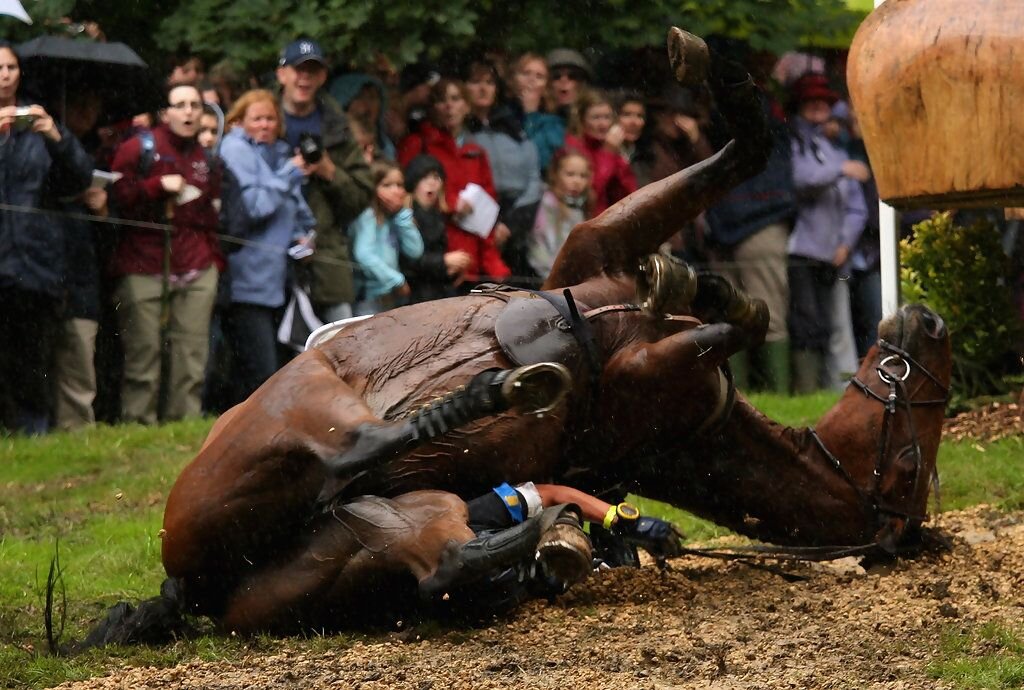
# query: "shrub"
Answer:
x=962 y=274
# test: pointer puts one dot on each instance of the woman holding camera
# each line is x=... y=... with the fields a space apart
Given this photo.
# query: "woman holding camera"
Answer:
x=40 y=161
x=269 y=187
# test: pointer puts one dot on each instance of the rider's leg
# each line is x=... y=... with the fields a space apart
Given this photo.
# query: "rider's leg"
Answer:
x=533 y=388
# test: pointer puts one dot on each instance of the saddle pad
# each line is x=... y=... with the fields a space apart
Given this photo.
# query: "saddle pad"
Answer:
x=530 y=330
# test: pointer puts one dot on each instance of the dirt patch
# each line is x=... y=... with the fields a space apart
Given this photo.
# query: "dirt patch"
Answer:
x=699 y=624
x=987 y=424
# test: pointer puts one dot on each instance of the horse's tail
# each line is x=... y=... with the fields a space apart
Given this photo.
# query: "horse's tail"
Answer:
x=154 y=621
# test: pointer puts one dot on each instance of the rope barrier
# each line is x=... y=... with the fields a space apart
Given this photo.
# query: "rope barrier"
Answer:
x=314 y=258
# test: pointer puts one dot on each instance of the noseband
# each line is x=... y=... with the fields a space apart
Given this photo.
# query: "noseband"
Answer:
x=897 y=399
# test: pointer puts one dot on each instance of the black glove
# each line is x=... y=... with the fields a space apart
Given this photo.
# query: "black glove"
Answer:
x=658 y=537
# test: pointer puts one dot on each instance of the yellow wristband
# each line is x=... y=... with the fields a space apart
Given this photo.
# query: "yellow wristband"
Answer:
x=610 y=517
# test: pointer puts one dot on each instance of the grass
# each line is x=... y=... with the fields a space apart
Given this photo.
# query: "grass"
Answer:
x=100 y=493
x=989 y=657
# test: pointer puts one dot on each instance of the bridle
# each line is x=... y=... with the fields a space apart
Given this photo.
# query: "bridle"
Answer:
x=896 y=400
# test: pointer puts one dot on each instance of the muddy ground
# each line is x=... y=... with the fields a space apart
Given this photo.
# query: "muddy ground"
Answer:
x=698 y=624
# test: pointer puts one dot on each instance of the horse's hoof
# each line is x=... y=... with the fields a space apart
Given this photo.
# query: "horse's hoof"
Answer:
x=536 y=388
x=688 y=54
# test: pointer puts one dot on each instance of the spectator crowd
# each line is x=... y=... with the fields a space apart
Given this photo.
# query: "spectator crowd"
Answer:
x=247 y=211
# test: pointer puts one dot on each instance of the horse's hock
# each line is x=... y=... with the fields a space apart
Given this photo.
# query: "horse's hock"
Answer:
x=938 y=90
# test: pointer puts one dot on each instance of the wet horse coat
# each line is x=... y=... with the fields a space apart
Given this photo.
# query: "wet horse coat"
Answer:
x=241 y=530
x=240 y=516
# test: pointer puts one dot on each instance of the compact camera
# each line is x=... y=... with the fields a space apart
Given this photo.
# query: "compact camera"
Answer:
x=23 y=118
x=311 y=148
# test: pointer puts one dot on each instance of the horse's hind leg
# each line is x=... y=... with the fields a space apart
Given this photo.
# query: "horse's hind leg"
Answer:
x=355 y=566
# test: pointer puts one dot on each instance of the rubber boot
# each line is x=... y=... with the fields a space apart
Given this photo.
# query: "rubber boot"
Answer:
x=775 y=366
x=523 y=544
x=535 y=388
x=806 y=371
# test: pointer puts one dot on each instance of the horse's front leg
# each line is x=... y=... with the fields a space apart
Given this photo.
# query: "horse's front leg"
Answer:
x=670 y=383
x=637 y=225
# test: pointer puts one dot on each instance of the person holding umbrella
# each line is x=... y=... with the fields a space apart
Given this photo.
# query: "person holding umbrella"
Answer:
x=167 y=276
x=40 y=161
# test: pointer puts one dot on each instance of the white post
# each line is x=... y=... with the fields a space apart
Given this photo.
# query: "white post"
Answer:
x=888 y=230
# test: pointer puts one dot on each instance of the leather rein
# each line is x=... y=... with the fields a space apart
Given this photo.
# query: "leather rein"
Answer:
x=897 y=399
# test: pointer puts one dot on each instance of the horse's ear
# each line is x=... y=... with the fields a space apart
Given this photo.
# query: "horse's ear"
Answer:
x=889 y=536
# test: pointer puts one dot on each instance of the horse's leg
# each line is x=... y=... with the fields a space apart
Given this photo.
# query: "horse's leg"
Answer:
x=688 y=361
x=254 y=483
x=374 y=557
x=356 y=565
x=637 y=225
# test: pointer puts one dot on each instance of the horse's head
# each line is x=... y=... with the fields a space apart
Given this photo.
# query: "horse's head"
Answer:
x=885 y=431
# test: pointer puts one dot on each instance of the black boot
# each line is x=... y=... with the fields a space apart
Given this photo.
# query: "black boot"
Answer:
x=554 y=540
x=531 y=389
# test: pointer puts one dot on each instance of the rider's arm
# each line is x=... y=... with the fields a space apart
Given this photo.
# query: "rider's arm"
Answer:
x=594 y=509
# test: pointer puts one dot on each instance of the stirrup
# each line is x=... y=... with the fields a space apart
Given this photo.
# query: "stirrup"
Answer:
x=531 y=389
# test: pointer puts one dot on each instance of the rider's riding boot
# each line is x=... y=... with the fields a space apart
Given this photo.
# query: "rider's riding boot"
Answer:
x=554 y=539
x=775 y=368
x=806 y=371
x=534 y=388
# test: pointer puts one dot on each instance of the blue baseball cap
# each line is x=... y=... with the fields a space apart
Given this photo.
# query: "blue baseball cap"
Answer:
x=302 y=50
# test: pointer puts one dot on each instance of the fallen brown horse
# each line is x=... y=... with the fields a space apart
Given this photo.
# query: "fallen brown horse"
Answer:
x=244 y=513
x=243 y=531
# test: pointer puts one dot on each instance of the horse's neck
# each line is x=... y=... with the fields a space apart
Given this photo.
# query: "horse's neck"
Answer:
x=765 y=480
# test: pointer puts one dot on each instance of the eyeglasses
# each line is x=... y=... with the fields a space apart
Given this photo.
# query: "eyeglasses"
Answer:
x=187 y=105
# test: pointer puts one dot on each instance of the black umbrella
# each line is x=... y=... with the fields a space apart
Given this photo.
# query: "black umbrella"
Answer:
x=54 y=67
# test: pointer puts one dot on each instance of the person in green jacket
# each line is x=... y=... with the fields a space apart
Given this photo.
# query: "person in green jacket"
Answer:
x=338 y=185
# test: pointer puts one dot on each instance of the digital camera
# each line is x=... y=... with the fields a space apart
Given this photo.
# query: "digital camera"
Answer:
x=311 y=148
x=23 y=118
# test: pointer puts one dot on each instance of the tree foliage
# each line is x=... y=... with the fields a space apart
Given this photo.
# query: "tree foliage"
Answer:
x=252 y=32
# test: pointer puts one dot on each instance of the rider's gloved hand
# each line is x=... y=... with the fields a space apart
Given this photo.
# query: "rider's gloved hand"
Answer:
x=659 y=538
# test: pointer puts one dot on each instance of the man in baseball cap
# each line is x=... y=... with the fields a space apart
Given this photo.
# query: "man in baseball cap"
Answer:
x=338 y=184
x=300 y=51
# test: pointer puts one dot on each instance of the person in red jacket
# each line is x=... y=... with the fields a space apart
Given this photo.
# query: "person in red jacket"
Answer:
x=166 y=178
x=464 y=163
x=593 y=132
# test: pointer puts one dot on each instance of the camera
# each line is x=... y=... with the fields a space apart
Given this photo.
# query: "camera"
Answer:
x=23 y=118
x=311 y=148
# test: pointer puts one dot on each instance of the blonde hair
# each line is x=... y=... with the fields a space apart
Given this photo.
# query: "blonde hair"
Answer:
x=380 y=169
x=561 y=157
x=547 y=103
x=586 y=99
x=249 y=98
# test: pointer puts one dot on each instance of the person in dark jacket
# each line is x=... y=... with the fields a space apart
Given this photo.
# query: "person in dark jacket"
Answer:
x=40 y=161
x=338 y=185
x=436 y=272
x=182 y=188
x=75 y=356
x=749 y=230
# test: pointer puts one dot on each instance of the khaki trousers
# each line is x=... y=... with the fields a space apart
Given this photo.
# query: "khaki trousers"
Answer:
x=758 y=265
x=188 y=332
x=75 y=368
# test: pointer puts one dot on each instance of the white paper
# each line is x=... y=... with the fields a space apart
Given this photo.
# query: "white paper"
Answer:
x=484 y=214
x=102 y=178
x=187 y=194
